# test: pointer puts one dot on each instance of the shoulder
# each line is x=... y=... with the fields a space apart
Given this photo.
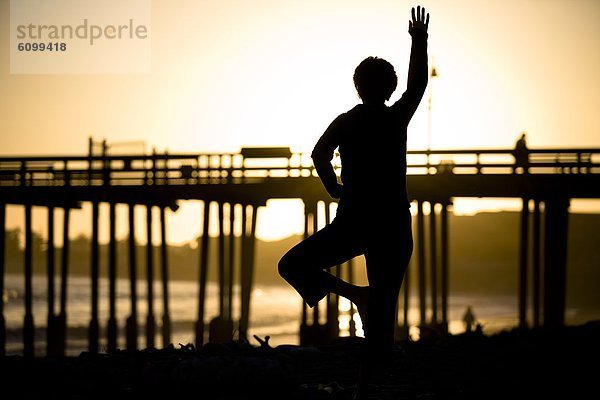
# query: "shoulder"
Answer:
x=345 y=119
x=352 y=114
x=341 y=120
x=357 y=109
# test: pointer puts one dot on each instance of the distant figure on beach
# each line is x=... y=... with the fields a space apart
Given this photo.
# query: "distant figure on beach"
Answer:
x=521 y=153
x=373 y=217
x=469 y=320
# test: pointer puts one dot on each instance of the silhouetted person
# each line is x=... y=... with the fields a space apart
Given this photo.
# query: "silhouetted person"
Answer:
x=478 y=329
x=521 y=153
x=373 y=216
x=469 y=320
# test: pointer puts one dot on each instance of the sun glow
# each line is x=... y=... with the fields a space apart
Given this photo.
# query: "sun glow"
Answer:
x=232 y=73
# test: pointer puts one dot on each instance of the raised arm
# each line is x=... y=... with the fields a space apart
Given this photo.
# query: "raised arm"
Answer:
x=418 y=70
x=322 y=155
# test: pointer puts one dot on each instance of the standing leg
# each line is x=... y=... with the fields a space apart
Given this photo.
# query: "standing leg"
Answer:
x=387 y=261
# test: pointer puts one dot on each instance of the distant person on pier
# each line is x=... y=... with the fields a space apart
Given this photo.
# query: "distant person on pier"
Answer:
x=373 y=216
x=469 y=320
x=521 y=153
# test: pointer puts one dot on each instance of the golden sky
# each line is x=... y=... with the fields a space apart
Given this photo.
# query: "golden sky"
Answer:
x=227 y=74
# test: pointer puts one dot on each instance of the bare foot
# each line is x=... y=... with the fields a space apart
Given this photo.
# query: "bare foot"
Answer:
x=362 y=302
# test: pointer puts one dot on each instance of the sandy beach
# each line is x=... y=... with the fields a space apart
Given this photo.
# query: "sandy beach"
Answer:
x=515 y=364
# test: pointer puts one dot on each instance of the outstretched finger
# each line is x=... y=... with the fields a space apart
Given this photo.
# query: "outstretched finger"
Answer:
x=418 y=13
x=423 y=14
x=427 y=20
x=413 y=14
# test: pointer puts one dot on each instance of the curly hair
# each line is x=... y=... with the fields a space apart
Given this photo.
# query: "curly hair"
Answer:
x=375 y=79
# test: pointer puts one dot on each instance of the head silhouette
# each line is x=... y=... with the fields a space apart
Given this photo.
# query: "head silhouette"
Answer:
x=375 y=80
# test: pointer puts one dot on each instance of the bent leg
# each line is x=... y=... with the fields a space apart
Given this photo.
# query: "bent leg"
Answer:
x=304 y=264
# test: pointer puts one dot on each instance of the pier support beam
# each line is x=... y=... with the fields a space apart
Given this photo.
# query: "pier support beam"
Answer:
x=308 y=333
x=352 y=325
x=230 y=263
x=164 y=259
x=304 y=322
x=444 y=266
x=131 y=325
x=52 y=346
x=536 y=264
x=222 y=261
x=523 y=264
x=555 y=260
x=150 y=320
x=433 y=264
x=94 y=331
x=402 y=330
x=2 y=269
x=332 y=299
x=112 y=281
x=421 y=263
x=245 y=308
x=247 y=267
x=221 y=327
x=315 y=333
x=202 y=278
x=316 y=315
x=64 y=279
x=28 y=327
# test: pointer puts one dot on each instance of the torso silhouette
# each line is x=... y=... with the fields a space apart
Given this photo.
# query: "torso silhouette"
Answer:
x=372 y=143
x=372 y=146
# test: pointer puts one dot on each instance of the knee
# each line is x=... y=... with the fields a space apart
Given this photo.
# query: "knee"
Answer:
x=285 y=266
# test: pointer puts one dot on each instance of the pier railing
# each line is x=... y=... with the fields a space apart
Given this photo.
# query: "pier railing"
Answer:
x=256 y=163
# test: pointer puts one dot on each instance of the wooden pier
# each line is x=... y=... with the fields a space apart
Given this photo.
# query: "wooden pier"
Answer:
x=545 y=181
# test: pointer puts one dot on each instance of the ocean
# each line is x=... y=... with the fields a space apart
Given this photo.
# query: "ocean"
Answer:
x=275 y=311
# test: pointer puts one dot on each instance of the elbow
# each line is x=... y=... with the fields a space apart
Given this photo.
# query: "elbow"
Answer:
x=421 y=81
x=314 y=154
x=318 y=161
x=315 y=157
x=418 y=85
x=423 y=76
x=318 y=157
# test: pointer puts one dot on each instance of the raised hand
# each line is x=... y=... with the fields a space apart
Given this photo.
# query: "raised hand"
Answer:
x=419 y=21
